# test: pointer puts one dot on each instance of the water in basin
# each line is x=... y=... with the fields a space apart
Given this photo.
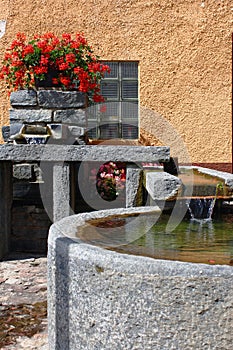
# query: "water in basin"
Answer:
x=198 y=241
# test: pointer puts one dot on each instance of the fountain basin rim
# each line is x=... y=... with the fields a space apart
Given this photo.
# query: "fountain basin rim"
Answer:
x=69 y=247
x=222 y=175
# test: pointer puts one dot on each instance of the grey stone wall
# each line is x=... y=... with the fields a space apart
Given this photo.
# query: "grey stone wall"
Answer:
x=5 y=206
x=30 y=225
x=29 y=221
x=62 y=111
x=42 y=105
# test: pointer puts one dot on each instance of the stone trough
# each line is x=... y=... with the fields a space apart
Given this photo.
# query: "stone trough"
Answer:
x=101 y=299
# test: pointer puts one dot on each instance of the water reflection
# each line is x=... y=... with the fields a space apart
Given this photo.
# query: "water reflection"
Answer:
x=200 y=241
x=203 y=228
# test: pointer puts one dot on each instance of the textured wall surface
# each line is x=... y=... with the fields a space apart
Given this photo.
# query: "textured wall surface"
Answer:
x=183 y=48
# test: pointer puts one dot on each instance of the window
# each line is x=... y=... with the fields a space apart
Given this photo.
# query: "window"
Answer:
x=118 y=117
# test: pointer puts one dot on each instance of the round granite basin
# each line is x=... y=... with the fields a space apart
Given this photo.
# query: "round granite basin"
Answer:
x=102 y=299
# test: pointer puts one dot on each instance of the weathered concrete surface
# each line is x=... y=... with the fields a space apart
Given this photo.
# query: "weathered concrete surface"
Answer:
x=72 y=153
x=162 y=186
x=101 y=299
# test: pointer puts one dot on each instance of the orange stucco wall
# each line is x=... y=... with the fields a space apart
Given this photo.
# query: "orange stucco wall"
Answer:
x=184 y=51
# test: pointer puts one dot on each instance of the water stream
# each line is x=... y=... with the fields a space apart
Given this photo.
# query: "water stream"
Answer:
x=201 y=208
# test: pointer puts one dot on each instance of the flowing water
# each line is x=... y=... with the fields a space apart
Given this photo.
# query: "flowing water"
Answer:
x=201 y=208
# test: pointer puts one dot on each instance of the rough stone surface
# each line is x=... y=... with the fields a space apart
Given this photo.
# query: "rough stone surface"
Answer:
x=30 y=115
x=162 y=186
x=84 y=153
x=133 y=190
x=61 y=191
x=101 y=299
x=30 y=225
x=6 y=133
x=23 y=286
x=23 y=98
x=70 y=116
x=23 y=171
x=15 y=128
x=61 y=99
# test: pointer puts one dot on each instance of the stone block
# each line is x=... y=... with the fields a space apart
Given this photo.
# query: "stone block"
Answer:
x=70 y=116
x=15 y=128
x=61 y=191
x=76 y=131
x=61 y=99
x=30 y=115
x=162 y=186
x=5 y=132
x=23 y=98
x=71 y=153
x=133 y=186
x=23 y=171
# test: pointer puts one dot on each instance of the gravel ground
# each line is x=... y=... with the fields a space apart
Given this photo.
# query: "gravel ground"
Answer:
x=23 y=302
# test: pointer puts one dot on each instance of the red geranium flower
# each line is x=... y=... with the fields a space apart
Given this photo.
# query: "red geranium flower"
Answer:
x=28 y=49
x=65 y=81
x=72 y=58
x=63 y=66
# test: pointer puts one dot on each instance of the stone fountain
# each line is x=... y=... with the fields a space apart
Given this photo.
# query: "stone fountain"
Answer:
x=102 y=299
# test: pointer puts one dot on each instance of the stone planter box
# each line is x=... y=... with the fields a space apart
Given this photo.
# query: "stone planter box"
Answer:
x=101 y=299
x=64 y=112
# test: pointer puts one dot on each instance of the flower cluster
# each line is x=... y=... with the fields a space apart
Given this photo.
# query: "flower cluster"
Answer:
x=110 y=180
x=72 y=58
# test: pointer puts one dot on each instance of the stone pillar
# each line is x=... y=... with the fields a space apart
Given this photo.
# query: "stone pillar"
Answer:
x=61 y=190
x=5 y=206
x=133 y=191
